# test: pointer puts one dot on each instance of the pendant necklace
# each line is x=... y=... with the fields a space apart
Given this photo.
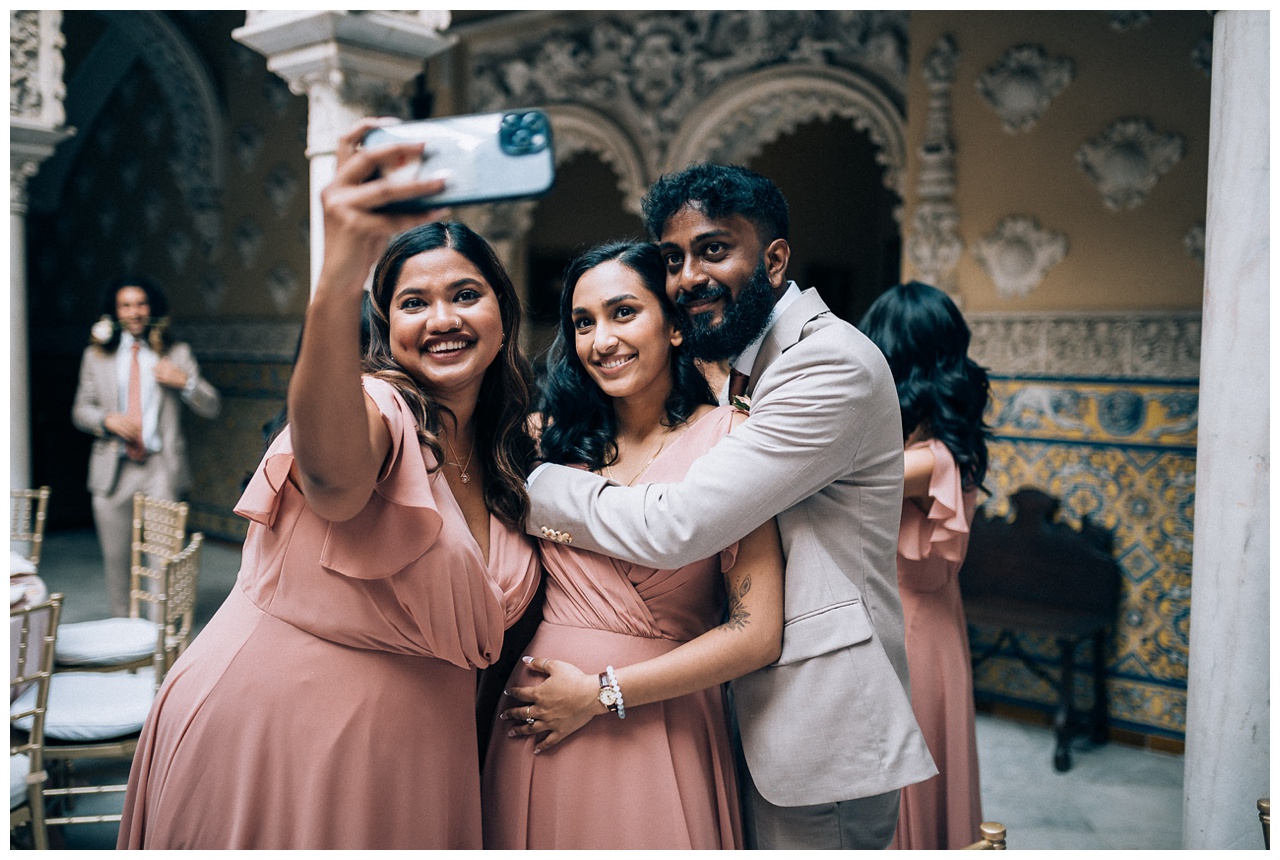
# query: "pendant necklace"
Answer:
x=466 y=479
x=661 y=443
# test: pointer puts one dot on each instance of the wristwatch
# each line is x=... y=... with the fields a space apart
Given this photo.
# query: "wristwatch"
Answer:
x=608 y=695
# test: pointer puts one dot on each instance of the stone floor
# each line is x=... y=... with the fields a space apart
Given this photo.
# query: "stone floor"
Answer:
x=1114 y=796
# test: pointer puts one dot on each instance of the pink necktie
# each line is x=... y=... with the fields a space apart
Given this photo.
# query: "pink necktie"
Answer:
x=136 y=451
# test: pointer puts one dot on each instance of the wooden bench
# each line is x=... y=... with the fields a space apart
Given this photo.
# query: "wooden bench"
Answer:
x=1035 y=577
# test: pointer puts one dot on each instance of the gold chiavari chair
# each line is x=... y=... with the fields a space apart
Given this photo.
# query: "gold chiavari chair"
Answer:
x=32 y=633
x=993 y=835
x=99 y=715
x=151 y=632
x=27 y=511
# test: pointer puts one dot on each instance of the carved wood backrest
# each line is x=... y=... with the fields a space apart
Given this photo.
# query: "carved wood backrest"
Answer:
x=1036 y=560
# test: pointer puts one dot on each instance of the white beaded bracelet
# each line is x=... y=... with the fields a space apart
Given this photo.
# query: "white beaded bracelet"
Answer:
x=617 y=691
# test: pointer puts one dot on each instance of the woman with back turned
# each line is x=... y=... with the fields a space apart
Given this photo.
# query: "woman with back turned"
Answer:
x=943 y=394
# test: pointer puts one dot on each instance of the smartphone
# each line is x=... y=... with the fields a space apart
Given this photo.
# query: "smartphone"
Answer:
x=505 y=155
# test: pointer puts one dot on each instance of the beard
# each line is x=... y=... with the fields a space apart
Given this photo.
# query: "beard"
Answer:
x=743 y=320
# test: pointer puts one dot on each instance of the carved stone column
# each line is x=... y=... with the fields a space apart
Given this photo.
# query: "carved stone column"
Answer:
x=36 y=118
x=349 y=64
x=934 y=246
x=1228 y=681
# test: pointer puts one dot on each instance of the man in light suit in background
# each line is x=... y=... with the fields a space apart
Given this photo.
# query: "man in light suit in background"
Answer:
x=133 y=382
x=827 y=732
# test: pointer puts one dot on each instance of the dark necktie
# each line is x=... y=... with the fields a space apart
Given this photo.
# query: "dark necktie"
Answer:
x=737 y=383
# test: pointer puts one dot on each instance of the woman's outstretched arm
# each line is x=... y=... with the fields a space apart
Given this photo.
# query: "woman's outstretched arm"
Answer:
x=339 y=438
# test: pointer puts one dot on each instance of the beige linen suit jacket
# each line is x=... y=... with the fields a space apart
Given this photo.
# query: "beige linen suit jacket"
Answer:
x=97 y=395
x=831 y=720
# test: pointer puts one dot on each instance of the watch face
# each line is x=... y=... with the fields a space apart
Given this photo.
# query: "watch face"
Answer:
x=607 y=697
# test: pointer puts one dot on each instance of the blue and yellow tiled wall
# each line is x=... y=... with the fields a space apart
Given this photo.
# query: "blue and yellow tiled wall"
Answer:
x=1121 y=452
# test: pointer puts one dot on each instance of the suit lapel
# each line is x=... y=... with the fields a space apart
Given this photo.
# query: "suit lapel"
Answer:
x=786 y=332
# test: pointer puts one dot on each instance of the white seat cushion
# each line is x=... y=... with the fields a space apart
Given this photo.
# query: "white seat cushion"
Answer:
x=105 y=642
x=91 y=706
x=19 y=767
x=19 y=563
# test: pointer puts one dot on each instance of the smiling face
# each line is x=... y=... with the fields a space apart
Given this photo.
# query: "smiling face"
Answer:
x=722 y=277
x=133 y=310
x=445 y=324
x=621 y=335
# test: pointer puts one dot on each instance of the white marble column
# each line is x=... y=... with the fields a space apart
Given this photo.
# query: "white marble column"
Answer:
x=36 y=118
x=349 y=64
x=1228 y=694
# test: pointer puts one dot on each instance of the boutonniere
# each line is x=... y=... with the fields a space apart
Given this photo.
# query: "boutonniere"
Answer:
x=742 y=403
x=102 y=330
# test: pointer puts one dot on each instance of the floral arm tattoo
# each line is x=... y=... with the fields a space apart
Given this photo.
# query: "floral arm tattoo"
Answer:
x=738 y=614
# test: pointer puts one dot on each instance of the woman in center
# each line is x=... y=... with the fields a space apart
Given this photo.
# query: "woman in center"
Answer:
x=629 y=660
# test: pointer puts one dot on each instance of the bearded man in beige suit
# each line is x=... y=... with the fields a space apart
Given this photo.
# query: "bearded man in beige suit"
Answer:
x=827 y=731
x=133 y=383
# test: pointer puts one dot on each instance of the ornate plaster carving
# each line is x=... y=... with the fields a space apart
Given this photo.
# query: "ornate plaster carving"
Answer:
x=1127 y=160
x=1140 y=345
x=1018 y=254
x=934 y=246
x=1022 y=84
x=36 y=88
x=653 y=71
x=36 y=94
x=1193 y=243
x=579 y=129
x=738 y=120
x=1124 y=21
x=197 y=163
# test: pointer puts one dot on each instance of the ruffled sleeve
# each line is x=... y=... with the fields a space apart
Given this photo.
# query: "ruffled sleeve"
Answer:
x=942 y=531
x=402 y=505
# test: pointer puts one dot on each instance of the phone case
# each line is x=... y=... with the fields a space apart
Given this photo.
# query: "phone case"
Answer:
x=506 y=155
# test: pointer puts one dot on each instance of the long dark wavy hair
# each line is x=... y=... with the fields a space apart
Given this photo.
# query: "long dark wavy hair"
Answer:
x=156 y=333
x=923 y=335
x=578 y=418
x=502 y=442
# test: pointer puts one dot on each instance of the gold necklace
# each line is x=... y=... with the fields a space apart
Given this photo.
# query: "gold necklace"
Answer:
x=661 y=442
x=466 y=479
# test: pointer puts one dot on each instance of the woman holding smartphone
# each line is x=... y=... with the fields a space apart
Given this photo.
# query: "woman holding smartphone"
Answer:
x=385 y=556
x=633 y=752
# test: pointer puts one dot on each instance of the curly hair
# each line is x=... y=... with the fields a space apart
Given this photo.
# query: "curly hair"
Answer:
x=718 y=190
x=578 y=418
x=503 y=444
x=926 y=341
x=157 y=331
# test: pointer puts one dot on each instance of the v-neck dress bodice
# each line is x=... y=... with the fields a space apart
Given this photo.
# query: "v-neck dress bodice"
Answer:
x=330 y=701
x=664 y=777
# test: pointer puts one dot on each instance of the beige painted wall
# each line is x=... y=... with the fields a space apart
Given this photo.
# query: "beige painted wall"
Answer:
x=1132 y=259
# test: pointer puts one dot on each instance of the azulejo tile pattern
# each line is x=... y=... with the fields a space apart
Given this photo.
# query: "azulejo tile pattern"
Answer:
x=1123 y=454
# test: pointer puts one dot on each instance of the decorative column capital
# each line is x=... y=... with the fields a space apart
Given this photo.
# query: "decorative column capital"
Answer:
x=348 y=63
x=36 y=93
x=30 y=144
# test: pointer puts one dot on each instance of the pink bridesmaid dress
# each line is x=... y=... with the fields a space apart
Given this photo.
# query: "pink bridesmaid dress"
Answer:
x=329 y=704
x=944 y=811
x=664 y=777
